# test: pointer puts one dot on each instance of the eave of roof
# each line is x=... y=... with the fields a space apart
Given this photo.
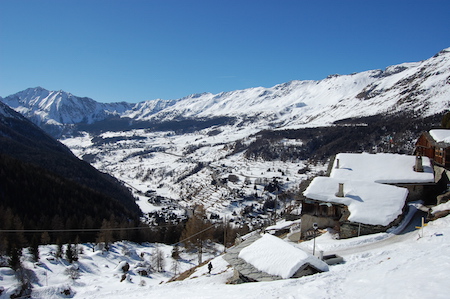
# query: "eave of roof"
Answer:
x=383 y=168
x=368 y=202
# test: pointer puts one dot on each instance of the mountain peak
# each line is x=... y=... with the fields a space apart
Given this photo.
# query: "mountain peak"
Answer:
x=442 y=52
x=413 y=86
x=58 y=110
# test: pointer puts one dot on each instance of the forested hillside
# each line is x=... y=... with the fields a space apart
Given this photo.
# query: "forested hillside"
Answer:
x=378 y=133
x=43 y=186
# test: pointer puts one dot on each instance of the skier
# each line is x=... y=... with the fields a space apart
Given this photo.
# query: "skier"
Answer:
x=209 y=267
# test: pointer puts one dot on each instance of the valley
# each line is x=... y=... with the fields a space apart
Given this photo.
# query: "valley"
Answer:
x=183 y=171
x=244 y=155
x=197 y=172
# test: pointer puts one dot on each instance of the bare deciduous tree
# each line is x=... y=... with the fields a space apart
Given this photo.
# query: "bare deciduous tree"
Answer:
x=158 y=260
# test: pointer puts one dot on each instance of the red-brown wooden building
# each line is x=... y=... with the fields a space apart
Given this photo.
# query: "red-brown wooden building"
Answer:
x=435 y=145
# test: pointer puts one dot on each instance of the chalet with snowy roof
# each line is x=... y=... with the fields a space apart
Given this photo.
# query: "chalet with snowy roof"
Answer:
x=268 y=258
x=412 y=172
x=365 y=193
x=282 y=227
x=435 y=145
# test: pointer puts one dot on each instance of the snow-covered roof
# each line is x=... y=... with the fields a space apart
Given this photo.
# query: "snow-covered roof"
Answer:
x=381 y=168
x=441 y=207
x=368 y=202
x=281 y=224
x=441 y=135
x=277 y=257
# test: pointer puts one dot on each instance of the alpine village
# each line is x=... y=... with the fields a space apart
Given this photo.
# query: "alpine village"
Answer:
x=227 y=188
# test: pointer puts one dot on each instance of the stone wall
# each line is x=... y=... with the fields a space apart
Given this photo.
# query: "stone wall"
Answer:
x=322 y=222
x=352 y=229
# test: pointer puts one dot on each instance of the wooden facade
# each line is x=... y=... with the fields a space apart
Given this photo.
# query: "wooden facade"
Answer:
x=438 y=152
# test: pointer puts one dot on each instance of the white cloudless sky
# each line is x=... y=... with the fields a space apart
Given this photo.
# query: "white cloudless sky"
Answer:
x=138 y=50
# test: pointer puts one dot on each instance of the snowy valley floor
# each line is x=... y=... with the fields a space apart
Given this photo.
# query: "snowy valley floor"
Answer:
x=410 y=266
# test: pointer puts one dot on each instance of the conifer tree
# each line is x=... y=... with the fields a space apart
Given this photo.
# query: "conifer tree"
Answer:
x=196 y=230
x=45 y=238
x=78 y=249
x=34 y=249
x=59 y=249
x=105 y=235
x=14 y=261
x=69 y=253
x=18 y=237
x=446 y=121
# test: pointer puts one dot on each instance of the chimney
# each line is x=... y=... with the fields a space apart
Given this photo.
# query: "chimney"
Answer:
x=337 y=164
x=419 y=166
x=340 y=192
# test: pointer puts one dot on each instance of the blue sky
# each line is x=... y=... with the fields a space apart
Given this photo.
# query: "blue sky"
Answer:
x=139 y=50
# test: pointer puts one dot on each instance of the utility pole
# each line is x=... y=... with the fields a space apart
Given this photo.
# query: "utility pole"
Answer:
x=200 y=251
x=225 y=224
x=315 y=227
x=421 y=227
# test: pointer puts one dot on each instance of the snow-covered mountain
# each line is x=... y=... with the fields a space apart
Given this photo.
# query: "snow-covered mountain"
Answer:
x=6 y=111
x=211 y=149
x=422 y=88
x=61 y=107
x=56 y=110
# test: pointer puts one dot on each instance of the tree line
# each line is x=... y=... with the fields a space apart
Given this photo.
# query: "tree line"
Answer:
x=65 y=212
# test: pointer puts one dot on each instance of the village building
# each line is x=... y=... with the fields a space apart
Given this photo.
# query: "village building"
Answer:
x=352 y=208
x=412 y=172
x=364 y=193
x=268 y=258
x=282 y=227
x=435 y=145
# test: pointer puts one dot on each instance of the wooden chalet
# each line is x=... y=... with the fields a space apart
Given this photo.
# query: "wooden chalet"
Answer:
x=377 y=188
x=351 y=208
x=435 y=145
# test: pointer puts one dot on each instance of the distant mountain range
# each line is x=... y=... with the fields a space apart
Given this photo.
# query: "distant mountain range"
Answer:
x=419 y=88
x=226 y=151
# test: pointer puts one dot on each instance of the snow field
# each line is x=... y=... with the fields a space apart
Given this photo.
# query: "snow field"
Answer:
x=159 y=171
x=98 y=271
x=405 y=266
x=413 y=268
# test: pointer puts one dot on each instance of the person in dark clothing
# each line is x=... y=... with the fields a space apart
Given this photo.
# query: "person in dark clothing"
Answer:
x=209 y=267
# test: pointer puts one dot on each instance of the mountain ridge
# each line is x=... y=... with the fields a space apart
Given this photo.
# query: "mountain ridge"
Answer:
x=421 y=87
x=224 y=151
